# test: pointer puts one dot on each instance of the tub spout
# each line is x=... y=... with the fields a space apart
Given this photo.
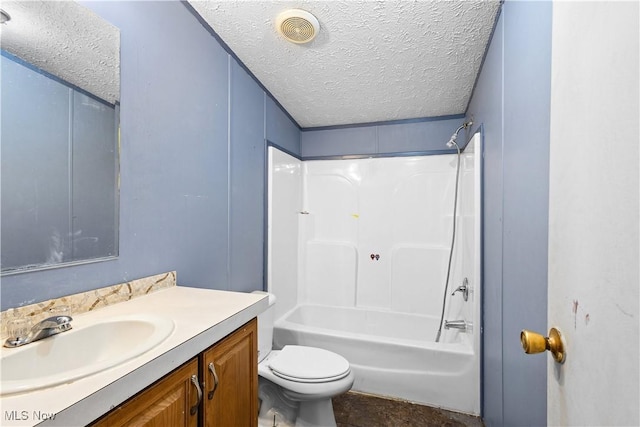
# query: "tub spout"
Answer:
x=456 y=324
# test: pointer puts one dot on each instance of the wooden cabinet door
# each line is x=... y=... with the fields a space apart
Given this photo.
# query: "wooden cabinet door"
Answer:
x=168 y=402
x=232 y=364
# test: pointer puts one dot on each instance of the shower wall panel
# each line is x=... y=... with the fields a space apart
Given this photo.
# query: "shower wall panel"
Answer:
x=285 y=204
x=378 y=231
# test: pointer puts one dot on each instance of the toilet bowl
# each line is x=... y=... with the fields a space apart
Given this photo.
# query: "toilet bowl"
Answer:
x=296 y=383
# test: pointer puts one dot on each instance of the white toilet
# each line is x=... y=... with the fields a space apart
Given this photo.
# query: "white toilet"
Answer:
x=296 y=384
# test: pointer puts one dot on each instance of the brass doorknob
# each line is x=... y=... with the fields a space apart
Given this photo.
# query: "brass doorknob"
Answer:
x=533 y=342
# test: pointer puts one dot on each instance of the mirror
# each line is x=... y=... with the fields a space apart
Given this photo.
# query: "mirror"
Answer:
x=59 y=147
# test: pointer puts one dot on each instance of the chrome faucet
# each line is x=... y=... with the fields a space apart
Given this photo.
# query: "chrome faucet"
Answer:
x=464 y=288
x=46 y=328
x=456 y=324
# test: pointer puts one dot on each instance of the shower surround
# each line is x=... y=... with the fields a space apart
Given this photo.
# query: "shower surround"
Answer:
x=358 y=254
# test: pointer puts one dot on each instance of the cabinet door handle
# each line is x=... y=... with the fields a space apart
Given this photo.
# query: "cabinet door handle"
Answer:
x=212 y=369
x=196 y=384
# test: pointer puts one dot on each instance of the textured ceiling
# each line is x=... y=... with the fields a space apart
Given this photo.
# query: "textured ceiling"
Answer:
x=66 y=40
x=371 y=61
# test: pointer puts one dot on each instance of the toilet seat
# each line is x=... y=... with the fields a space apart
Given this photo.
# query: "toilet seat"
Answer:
x=309 y=365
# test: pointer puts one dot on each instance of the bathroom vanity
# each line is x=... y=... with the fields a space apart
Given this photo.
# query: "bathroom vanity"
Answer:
x=219 y=387
x=214 y=337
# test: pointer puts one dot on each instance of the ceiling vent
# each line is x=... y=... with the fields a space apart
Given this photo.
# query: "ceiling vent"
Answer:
x=297 y=26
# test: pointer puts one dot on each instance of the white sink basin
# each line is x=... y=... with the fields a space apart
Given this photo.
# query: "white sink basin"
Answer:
x=80 y=352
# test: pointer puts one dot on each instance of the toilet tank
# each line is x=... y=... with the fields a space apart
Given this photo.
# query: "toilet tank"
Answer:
x=265 y=327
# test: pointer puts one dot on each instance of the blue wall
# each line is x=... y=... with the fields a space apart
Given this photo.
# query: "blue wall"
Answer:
x=429 y=134
x=247 y=186
x=486 y=108
x=280 y=130
x=512 y=101
x=193 y=136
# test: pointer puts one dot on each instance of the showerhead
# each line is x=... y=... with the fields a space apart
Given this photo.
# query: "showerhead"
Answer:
x=452 y=141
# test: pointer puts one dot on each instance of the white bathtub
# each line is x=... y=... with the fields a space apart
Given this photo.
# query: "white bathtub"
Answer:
x=391 y=354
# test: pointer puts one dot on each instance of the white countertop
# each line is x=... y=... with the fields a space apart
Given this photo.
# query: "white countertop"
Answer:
x=202 y=317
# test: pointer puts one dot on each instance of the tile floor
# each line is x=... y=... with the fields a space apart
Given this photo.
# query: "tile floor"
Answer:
x=362 y=410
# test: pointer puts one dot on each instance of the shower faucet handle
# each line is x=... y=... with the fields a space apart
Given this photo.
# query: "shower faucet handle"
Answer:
x=464 y=288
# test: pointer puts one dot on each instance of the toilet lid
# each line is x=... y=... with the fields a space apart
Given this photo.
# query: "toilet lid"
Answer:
x=309 y=364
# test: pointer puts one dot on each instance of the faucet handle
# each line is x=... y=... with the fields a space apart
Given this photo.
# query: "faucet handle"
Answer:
x=62 y=322
x=18 y=327
x=60 y=310
x=464 y=288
